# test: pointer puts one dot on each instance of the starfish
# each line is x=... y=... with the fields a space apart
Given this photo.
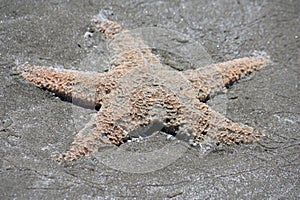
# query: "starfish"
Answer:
x=140 y=91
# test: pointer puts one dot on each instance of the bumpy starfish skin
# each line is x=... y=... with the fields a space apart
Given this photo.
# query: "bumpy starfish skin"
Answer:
x=140 y=90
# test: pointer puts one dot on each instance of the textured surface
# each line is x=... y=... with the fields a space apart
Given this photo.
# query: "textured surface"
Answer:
x=34 y=124
x=139 y=90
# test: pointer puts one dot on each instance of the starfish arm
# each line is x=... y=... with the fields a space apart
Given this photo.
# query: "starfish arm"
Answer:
x=128 y=51
x=107 y=27
x=214 y=126
x=106 y=128
x=82 y=88
x=86 y=141
x=208 y=80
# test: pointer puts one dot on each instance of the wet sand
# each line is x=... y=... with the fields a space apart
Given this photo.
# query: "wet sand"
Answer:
x=35 y=124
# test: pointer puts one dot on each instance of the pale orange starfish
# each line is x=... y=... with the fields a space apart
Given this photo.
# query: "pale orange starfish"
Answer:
x=139 y=90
